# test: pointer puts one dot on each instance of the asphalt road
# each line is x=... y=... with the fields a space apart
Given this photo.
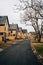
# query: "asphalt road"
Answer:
x=19 y=54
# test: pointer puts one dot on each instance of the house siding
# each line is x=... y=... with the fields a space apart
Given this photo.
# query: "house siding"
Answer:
x=19 y=35
x=2 y=28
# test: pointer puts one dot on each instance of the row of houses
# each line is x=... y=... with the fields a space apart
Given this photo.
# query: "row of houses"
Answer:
x=10 y=31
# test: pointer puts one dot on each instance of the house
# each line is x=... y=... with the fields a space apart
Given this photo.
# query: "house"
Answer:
x=31 y=35
x=13 y=31
x=19 y=36
x=24 y=33
x=4 y=28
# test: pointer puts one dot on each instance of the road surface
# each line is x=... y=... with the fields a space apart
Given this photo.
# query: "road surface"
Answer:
x=19 y=54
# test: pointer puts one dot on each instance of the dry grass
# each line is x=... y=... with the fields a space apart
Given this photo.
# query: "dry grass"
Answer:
x=39 y=49
x=4 y=45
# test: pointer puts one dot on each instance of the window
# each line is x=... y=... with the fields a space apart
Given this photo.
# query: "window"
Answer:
x=11 y=31
x=1 y=33
x=13 y=34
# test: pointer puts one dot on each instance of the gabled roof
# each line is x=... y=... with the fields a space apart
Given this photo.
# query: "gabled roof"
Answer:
x=3 y=20
x=24 y=30
x=20 y=29
x=33 y=33
x=13 y=27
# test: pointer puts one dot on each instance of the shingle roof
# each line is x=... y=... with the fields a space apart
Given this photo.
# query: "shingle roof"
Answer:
x=3 y=20
x=24 y=30
x=13 y=26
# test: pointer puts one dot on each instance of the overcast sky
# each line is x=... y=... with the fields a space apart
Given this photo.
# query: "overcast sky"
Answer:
x=7 y=8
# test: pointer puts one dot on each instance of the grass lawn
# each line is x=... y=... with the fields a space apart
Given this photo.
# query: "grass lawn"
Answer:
x=39 y=49
x=8 y=43
x=34 y=41
x=4 y=45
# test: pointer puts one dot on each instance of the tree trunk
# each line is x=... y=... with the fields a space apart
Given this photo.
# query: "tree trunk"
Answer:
x=39 y=37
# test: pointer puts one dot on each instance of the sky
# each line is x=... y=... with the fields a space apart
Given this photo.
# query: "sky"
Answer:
x=7 y=9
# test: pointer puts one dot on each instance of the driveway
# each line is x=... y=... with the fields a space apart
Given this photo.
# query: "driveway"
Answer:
x=19 y=54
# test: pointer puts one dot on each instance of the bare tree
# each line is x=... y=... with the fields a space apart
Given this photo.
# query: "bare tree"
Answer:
x=32 y=11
